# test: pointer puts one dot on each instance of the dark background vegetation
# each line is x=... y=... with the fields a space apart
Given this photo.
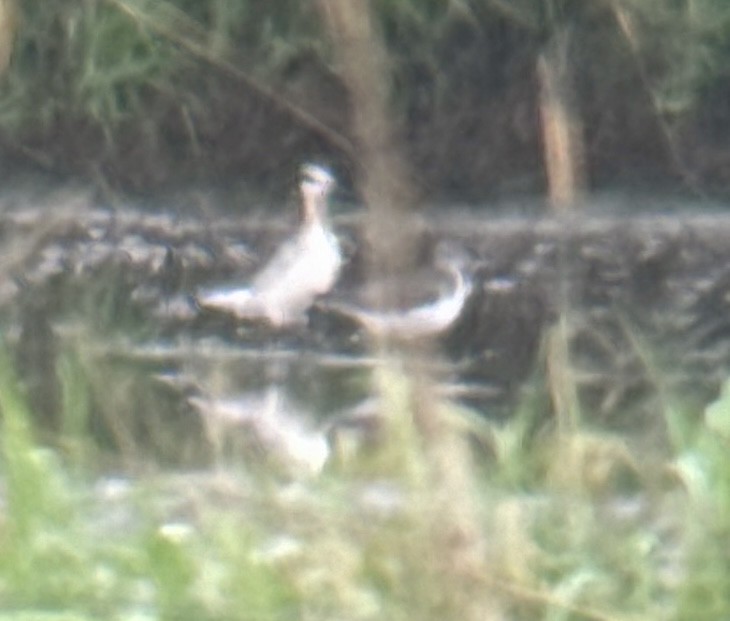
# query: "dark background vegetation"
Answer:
x=139 y=97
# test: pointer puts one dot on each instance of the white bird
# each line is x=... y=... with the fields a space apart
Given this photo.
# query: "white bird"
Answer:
x=429 y=318
x=303 y=268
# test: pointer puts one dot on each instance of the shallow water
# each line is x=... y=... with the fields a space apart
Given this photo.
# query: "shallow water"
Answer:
x=645 y=291
x=190 y=409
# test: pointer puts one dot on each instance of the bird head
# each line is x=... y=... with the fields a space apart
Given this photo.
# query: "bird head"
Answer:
x=316 y=184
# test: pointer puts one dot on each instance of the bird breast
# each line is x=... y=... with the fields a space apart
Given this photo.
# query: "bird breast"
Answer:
x=313 y=270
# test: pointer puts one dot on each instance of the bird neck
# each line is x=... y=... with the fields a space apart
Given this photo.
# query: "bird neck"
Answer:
x=460 y=283
x=314 y=207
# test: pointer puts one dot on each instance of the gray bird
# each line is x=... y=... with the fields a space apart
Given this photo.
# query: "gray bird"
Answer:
x=425 y=318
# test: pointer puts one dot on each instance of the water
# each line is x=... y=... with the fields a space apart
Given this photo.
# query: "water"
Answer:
x=643 y=292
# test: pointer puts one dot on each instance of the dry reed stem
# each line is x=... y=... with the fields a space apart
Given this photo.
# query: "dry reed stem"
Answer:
x=561 y=124
x=8 y=27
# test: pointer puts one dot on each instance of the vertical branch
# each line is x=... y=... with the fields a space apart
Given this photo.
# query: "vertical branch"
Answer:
x=382 y=171
x=8 y=27
x=561 y=381
x=562 y=130
x=564 y=153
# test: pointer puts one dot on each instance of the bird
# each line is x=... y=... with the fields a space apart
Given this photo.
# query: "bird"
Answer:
x=425 y=319
x=301 y=269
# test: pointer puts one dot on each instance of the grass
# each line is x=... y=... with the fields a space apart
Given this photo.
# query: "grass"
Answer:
x=575 y=524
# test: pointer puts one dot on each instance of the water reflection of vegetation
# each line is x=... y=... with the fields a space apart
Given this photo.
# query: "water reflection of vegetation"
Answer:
x=578 y=524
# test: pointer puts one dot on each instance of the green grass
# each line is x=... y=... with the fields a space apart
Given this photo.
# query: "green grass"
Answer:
x=575 y=525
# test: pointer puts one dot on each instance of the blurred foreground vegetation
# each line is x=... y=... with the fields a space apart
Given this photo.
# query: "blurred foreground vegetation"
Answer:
x=137 y=95
x=576 y=522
